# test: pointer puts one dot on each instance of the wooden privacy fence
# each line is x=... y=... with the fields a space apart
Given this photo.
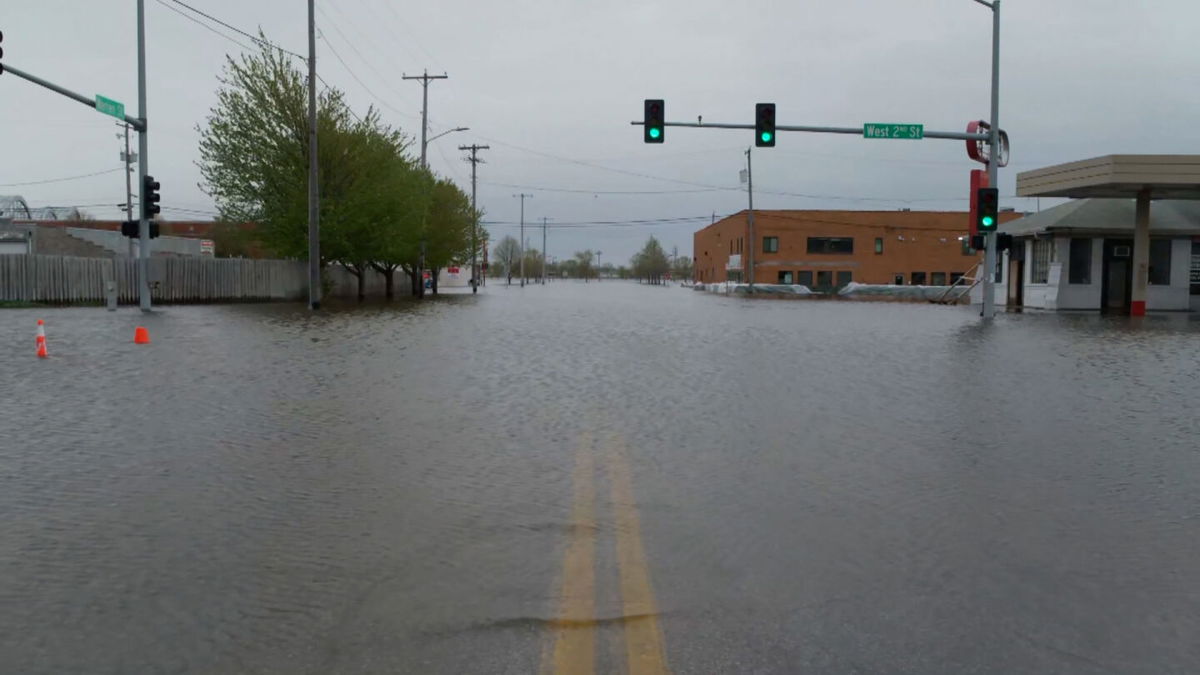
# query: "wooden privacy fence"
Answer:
x=64 y=280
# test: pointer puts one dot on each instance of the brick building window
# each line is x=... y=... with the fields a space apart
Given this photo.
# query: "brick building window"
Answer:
x=770 y=244
x=898 y=280
x=824 y=280
x=804 y=278
x=835 y=245
x=937 y=279
x=844 y=279
x=878 y=245
x=785 y=277
x=954 y=277
x=918 y=278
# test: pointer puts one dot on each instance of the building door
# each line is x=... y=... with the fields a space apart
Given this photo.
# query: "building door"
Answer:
x=1016 y=283
x=1117 y=287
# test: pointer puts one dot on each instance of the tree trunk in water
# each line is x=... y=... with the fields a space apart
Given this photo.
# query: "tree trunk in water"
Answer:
x=389 y=282
x=362 y=284
x=433 y=277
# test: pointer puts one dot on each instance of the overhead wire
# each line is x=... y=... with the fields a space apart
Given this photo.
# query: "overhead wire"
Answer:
x=257 y=40
x=61 y=180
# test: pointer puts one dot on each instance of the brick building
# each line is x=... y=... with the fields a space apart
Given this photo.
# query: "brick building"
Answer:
x=829 y=249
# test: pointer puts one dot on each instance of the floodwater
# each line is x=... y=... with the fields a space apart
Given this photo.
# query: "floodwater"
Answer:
x=599 y=478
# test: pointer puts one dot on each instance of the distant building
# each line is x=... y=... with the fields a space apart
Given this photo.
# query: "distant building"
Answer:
x=826 y=250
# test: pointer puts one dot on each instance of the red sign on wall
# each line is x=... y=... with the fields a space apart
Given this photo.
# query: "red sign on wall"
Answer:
x=979 y=179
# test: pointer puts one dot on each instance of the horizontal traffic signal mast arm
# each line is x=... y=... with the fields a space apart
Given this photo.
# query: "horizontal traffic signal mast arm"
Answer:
x=139 y=125
x=857 y=131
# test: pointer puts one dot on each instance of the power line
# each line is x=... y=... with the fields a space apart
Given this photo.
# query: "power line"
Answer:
x=200 y=23
x=60 y=180
x=359 y=80
x=603 y=192
x=243 y=33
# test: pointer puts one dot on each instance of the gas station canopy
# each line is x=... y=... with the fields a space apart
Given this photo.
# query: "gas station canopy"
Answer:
x=1116 y=177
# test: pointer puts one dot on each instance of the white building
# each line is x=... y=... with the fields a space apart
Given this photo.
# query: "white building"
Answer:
x=1079 y=256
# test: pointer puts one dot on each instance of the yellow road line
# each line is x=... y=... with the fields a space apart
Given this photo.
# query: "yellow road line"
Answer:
x=575 y=627
x=643 y=635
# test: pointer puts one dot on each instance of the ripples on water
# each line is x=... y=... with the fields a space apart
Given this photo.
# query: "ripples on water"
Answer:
x=386 y=488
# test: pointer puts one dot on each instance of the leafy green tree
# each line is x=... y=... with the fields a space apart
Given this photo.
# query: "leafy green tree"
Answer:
x=651 y=263
x=254 y=153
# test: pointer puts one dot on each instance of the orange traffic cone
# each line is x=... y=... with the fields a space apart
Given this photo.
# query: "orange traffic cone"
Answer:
x=141 y=336
x=41 y=340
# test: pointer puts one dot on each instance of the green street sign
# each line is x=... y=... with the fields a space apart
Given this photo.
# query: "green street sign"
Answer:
x=108 y=106
x=913 y=132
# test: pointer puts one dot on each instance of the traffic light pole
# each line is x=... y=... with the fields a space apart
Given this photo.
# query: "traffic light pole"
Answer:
x=143 y=153
x=989 y=254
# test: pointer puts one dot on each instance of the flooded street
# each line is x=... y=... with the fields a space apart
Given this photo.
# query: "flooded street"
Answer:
x=599 y=478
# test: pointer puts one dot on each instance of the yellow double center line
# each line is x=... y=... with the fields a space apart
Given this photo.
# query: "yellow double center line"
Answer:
x=575 y=627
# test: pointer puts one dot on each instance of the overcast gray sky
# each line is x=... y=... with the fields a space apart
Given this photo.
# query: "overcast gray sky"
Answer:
x=551 y=85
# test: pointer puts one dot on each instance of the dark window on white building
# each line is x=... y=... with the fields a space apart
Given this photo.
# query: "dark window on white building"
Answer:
x=1195 y=269
x=1160 y=262
x=1081 y=262
x=1043 y=255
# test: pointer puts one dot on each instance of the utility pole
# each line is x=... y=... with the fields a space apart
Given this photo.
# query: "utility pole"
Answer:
x=522 y=246
x=143 y=154
x=598 y=253
x=989 y=255
x=314 y=194
x=750 y=221
x=474 y=160
x=544 y=219
x=127 y=160
x=424 y=105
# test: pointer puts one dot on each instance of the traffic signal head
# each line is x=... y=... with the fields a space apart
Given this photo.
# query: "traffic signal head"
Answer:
x=989 y=209
x=653 y=123
x=150 y=198
x=764 y=125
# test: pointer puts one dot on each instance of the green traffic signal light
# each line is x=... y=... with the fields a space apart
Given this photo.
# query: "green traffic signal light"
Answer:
x=764 y=125
x=988 y=221
x=655 y=132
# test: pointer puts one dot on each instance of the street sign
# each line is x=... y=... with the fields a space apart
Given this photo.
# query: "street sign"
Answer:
x=108 y=106
x=914 y=132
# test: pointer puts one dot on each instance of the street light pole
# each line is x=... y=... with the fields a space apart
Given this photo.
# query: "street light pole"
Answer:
x=544 y=219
